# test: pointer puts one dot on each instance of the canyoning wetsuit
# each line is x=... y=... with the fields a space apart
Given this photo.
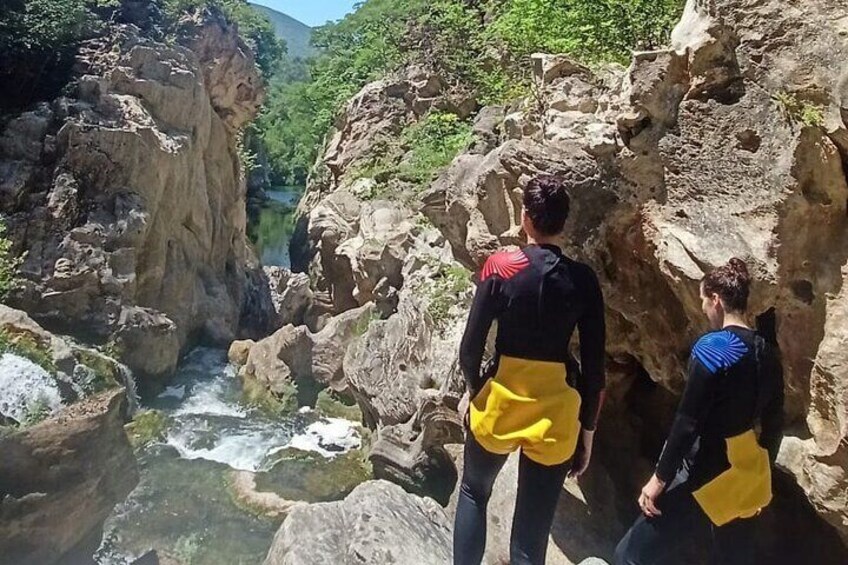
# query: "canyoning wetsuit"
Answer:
x=532 y=396
x=717 y=467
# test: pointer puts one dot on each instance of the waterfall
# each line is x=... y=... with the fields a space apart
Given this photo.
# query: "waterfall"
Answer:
x=27 y=390
x=128 y=379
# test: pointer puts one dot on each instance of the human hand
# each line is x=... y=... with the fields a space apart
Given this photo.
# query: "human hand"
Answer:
x=648 y=498
x=582 y=455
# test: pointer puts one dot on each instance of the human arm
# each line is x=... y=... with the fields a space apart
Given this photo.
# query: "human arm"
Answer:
x=483 y=312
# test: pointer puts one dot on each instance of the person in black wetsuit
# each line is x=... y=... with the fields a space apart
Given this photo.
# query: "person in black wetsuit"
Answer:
x=714 y=473
x=531 y=396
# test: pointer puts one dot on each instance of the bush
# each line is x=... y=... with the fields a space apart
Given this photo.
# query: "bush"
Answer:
x=479 y=48
x=255 y=28
x=421 y=152
x=8 y=265
x=591 y=30
x=38 y=39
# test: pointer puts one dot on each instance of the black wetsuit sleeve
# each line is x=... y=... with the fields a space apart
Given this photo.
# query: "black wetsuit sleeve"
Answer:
x=592 y=377
x=484 y=310
x=771 y=418
x=687 y=423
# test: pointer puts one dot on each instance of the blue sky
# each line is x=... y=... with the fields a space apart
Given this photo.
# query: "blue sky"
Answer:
x=311 y=12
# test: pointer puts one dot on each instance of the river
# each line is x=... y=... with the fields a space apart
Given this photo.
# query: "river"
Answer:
x=185 y=506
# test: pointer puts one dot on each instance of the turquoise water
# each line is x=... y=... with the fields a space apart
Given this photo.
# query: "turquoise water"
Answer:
x=185 y=506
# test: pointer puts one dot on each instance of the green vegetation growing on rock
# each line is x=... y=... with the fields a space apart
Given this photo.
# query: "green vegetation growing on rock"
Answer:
x=255 y=394
x=25 y=345
x=797 y=110
x=421 y=152
x=331 y=405
x=448 y=286
x=307 y=476
x=8 y=265
x=478 y=48
x=148 y=427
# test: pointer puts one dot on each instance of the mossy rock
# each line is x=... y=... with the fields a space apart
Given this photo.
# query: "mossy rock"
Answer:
x=256 y=394
x=27 y=345
x=106 y=372
x=148 y=427
x=308 y=476
x=332 y=405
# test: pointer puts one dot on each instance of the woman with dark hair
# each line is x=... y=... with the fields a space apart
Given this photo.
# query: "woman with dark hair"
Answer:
x=717 y=470
x=531 y=396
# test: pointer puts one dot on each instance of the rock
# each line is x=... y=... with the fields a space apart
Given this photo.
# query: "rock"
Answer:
x=269 y=504
x=378 y=523
x=291 y=294
x=239 y=351
x=61 y=479
x=687 y=159
x=311 y=361
x=134 y=225
x=75 y=370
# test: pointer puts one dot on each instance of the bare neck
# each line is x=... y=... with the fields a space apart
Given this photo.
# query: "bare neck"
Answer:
x=735 y=319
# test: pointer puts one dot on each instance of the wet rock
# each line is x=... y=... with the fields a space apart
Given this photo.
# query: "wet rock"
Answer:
x=377 y=523
x=61 y=479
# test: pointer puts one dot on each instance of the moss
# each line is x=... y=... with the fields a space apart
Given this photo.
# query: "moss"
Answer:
x=27 y=346
x=148 y=427
x=302 y=475
x=256 y=394
x=105 y=372
x=449 y=284
x=331 y=405
x=797 y=110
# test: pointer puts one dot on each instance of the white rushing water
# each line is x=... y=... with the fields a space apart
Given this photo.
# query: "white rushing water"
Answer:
x=182 y=505
x=26 y=388
x=208 y=420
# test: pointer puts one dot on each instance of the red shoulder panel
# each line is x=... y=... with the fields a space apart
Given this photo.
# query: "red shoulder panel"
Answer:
x=505 y=264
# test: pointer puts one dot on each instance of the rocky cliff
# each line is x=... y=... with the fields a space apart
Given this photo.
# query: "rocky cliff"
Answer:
x=732 y=142
x=127 y=196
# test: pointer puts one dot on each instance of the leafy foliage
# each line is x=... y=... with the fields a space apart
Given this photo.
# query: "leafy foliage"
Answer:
x=254 y=27
x=37 y=41
x=591 y=30
x=478 y=47
x=8 y=265
x=797 y=110
x=422 y=150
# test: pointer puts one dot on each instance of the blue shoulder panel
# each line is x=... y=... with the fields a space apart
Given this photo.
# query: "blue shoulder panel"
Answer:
x=719 y=350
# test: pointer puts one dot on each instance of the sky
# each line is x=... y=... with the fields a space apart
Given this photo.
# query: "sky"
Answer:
x=311 y=12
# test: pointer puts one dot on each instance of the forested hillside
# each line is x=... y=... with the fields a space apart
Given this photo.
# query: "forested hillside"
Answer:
x=297 y=35
x=480 y=47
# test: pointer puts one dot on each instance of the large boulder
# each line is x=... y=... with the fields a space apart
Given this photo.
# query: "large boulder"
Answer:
x=378 y=523
x=60 y=479
x=128 y=198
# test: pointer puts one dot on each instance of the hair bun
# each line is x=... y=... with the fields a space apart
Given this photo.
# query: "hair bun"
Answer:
x=739 y=268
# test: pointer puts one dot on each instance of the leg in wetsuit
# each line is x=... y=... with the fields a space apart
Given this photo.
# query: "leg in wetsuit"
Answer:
x=658 y=540
x=539 y=487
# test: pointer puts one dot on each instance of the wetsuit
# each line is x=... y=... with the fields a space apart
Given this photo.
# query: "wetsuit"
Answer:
x=531 y=396
x=717 y=468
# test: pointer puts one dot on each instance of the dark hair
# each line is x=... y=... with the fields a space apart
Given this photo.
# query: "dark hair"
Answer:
x=547 y=203
x=732 y=283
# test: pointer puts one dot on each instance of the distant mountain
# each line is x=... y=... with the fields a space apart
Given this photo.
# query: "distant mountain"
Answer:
x=296 y=34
